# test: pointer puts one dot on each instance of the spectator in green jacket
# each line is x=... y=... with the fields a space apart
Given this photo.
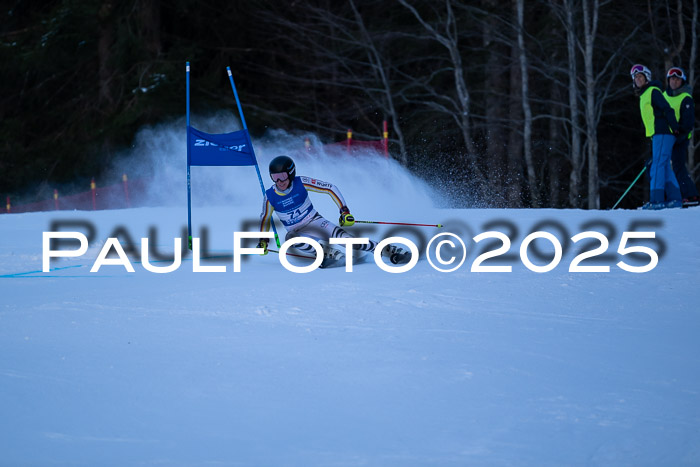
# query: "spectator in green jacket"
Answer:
x=679 y=95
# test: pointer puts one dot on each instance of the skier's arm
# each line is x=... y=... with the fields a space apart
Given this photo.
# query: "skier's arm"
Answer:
x=659 y=102
x=686 y=122
x=266 y=215
x=265 y=221
x=319 y=186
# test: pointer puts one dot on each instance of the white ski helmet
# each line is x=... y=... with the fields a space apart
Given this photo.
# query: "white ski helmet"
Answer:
x=640 y=69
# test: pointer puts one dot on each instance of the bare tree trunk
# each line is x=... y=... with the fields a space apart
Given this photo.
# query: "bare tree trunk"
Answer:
x=576 y=155
x=671 y=54
x=515 y=141
x=554 y=160
x=149 y=19
x=662 y=44
x=496 y=86
x=527 y=112
x=449 y=40
x=460 y=83
x=590 y=22
x=376 y=60
x=104 y=45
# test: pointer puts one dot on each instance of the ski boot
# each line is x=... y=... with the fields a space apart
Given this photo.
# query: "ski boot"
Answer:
x=691 y=202
x=649 y=206
x=396 y=255
x=332 y=257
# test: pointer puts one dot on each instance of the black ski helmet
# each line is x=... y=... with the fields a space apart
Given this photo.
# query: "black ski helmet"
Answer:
x=283 y=164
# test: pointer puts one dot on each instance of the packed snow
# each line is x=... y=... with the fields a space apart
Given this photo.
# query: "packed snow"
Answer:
x=271 y=367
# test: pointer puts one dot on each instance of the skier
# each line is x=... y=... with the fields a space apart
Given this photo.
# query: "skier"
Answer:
x=661 y=126
x=289 y=197
x=679 y=95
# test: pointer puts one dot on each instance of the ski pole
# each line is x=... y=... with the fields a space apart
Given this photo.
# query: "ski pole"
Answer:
x=293 y=254
x=628 y=189
x=398 y=223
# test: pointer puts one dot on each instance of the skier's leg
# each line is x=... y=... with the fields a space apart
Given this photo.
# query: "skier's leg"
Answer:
x=678 y=158
x=670 y=183
x=322 y=228
x=656 y=172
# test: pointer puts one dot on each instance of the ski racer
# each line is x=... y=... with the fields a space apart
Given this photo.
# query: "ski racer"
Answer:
x=289 y=198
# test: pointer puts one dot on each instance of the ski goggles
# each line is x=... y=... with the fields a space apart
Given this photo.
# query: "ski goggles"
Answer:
x=637 y=69
x=282 y=177
x=677 y=72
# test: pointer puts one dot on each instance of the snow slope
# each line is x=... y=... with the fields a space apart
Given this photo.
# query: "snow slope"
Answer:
x=269 y=367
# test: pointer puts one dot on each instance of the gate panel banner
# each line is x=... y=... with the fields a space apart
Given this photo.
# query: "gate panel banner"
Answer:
x=225 y=149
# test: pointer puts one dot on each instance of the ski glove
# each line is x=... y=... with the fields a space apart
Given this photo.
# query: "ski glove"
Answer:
x=263 y=244
x=346 y=219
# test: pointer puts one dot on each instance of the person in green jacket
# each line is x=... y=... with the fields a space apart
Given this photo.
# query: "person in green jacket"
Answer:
x=679 y=95
x=662 y=127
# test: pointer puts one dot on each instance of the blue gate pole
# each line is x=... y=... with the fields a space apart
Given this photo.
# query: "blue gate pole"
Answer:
x=257 y=168
x=189 y=186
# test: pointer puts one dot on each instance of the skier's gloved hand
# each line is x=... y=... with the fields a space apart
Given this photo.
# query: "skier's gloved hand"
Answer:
x=346 y=219
x=647 y=164
x=263 y=244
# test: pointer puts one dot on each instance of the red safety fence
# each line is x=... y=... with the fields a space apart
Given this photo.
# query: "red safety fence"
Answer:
x=352 y=146
x=122 y=195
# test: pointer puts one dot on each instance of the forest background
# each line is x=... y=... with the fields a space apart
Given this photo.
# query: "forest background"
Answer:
x=496 y=103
